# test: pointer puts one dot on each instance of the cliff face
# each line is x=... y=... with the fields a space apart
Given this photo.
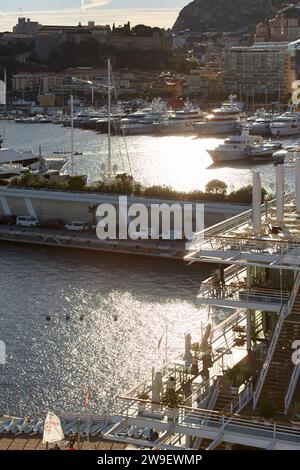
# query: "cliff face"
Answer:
x=224 y=15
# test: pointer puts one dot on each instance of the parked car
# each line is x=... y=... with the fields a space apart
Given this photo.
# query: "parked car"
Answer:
x=27 y=221
x=77 y=226
x=8 y=220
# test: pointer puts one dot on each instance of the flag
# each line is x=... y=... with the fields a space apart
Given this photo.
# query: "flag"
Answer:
x=2 y=92
x=52 y=429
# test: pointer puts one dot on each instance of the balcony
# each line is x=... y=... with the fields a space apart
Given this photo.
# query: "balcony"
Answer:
x=234 y=242
x=235 y=293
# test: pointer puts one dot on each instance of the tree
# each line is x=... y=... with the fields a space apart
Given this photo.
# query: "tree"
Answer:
x=216 y=187
x=77 y=183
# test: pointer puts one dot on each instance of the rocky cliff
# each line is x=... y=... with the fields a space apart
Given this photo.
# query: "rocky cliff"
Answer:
x=225 y=15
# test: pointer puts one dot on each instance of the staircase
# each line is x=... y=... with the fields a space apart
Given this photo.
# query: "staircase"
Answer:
x=223 y=401
x=281 y=367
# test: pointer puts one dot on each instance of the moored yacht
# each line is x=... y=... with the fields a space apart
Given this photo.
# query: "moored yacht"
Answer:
x=223 y=120
x=243 y=147
x=182 y=121
x=287 y=124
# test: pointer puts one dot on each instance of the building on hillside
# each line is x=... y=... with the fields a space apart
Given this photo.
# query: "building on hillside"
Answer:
x=284 y=26
x=26 y=26
x=143 y=43
x=203 y=82
x=259 y=69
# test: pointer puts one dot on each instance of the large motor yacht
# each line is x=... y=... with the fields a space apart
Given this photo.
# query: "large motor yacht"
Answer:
x=285 y=125
x=223 y=120
x=243 y=147
x=182 y=121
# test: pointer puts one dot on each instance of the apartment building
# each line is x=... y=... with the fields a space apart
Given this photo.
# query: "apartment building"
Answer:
x=261 y=68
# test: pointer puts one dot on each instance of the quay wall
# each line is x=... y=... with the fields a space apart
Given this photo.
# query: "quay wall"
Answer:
x=70 y=206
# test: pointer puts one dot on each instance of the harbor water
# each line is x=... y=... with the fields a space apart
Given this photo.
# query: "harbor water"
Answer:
x=181 y=162
x=108 y=313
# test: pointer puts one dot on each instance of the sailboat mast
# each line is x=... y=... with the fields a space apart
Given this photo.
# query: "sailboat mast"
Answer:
x=5 y=82
x=5 y=106
x=109 y=118
x=72 y=135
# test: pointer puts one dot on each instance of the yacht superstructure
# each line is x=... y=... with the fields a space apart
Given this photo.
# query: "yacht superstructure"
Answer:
x=224 y=120
x=287 y=124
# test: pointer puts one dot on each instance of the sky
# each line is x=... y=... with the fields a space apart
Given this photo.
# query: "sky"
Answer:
x=161 y=13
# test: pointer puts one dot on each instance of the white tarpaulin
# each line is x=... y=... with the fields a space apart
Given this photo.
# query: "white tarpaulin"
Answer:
x=2 y=92
x=52 y=429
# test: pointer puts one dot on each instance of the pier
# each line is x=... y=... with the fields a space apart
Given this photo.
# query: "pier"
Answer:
x=88 y=241
x=67 y=206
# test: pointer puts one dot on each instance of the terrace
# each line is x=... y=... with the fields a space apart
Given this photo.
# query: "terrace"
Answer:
x=235 y=242
x=236 y=292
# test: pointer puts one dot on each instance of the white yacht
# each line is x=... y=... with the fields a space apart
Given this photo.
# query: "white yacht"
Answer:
x=182 y=121
x=260 y=122
x=10 y=171
x=223 y=120
x=287 y=124
x=243 y=147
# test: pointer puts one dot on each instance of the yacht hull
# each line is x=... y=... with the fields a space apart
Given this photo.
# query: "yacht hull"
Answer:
x=215 y=129
x=228 y=156
x=284 y=131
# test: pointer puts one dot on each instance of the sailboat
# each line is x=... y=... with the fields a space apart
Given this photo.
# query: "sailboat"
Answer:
x=109 y=171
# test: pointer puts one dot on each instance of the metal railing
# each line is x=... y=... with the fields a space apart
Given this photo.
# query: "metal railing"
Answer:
x=208 y=421
x=201 y=392
x=237 y=221
x=292 y=387
x=246 y=426
x=285 y=311
x=242 y=293
x=239 y=402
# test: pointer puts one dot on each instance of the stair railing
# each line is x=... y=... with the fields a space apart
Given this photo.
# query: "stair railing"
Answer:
x=292 y=387
x=268 y=359
x=284 y=313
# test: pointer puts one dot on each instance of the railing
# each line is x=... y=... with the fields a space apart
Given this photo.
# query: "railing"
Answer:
x=246 y=426
x=215 y=422
x=292 y=388
x=243 y=244
x=269 y=356
x=242 y=293
x=239 y=402
x=237 y=221
x=285 y=311
x=201 y=392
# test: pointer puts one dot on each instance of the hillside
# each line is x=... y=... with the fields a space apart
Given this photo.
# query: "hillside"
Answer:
x=225 y=15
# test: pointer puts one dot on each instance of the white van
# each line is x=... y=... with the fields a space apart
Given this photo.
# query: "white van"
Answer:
x=27 y=221
x=77 y=226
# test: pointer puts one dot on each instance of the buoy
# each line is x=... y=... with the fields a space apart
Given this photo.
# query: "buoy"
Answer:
x=115 y=317
x=68 y=317
x=48 y=318
x=81 y=317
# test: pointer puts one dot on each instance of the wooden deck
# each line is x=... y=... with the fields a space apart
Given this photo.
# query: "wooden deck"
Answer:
x=14 y=443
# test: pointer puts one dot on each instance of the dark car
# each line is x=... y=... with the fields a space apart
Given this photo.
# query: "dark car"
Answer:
x=8 y=220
